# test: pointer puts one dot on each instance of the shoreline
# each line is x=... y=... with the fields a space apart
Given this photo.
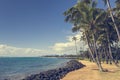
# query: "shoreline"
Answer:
x=58 y=73
x=36 y=66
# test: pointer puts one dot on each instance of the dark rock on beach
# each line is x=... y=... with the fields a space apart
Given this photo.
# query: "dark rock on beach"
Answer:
x=56 y=74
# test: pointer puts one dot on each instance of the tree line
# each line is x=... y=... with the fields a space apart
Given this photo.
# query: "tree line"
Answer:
x=100 y=28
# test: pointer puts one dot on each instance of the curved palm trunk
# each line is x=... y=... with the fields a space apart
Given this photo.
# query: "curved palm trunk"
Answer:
x=97 y=56
x=111 y=14
x=90 y=49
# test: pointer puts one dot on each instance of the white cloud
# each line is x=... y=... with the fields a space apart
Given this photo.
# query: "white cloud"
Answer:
x=6 y=50
x=62 y=46
x=69 y=46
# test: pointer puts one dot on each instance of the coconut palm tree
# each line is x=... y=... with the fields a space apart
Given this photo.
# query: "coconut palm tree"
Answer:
x=107 y=2
x=107 y=36
x=75 y=39
x=78 y=15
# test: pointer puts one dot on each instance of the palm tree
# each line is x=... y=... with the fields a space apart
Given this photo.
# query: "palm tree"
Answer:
x=78 y=15
x=75 y=39
x=107 y=36
x=112 y=16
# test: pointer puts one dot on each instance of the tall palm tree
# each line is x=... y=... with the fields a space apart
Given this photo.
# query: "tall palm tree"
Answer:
x=78 y=15
x=107 y=37
x=75 y=39
x=107 y=2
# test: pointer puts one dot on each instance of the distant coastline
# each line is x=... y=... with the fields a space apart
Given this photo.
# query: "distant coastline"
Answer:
x=62 y=56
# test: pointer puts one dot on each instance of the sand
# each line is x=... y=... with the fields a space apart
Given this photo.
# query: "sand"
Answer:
x=91 y=72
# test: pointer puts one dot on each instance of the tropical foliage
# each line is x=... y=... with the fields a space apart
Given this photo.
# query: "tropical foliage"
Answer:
x=100 y=27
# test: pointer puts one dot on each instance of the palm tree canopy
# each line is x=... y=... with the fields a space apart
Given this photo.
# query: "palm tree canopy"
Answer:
x=74 y=38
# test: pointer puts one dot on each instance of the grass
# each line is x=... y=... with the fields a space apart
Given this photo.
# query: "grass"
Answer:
x=91 y=72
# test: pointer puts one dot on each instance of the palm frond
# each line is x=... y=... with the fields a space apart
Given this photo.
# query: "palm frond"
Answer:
x=86 y=1
x=105 y=2
x=94 y=4
x=101 y=17
x=117 y=1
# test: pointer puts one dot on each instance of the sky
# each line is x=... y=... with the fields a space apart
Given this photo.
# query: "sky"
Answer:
x=35 y=27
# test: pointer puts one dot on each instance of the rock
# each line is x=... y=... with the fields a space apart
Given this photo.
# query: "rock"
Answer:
x=56 y=74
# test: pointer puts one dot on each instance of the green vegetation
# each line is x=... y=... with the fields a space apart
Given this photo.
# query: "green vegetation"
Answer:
x=100 y=27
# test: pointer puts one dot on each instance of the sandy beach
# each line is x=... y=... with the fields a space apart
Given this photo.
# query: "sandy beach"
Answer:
x=90 y=72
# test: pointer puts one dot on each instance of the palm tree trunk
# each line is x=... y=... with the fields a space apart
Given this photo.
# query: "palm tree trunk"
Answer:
x=76 y=47
x=105 y=53
x=90 y=50
x=107 y=56
x=97 y=56
x=111 y=14
x=110 y=50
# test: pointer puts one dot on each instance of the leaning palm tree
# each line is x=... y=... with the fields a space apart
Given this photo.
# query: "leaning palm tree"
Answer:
x=75 y=39
x=78 y=15
x=107 y=2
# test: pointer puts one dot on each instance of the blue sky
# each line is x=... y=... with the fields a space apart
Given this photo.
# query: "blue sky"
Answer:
x=36 y=24
x=33 y=23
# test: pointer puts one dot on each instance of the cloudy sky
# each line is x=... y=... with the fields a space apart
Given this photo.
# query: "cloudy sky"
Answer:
x=35 y=28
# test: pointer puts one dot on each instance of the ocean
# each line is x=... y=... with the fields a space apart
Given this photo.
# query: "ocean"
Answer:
x=16 y=68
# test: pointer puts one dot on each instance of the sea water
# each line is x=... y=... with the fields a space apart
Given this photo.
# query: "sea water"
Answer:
x=16 y=68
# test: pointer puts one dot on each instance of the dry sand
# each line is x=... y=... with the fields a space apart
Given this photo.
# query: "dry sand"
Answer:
x=91 y=72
